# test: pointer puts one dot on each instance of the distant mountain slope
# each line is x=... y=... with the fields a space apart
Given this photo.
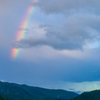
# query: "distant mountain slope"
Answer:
x=93 y=95
x=24 y=92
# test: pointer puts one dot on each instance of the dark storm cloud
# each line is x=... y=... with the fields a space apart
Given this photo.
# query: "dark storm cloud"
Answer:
x=77 y=30
x=73 y=34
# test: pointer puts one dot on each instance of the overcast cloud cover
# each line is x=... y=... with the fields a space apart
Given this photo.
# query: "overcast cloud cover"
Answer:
x=62 y=46
x=58 y=6
x=80 y=25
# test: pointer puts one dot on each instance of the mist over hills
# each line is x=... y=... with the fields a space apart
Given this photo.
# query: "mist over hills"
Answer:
x=24 y=92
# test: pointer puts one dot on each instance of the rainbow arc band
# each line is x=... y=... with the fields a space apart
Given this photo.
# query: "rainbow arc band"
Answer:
x=21 y=33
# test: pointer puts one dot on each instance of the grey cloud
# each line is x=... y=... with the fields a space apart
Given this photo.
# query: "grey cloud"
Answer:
x=45 y=25
x=74 y=34
x=26 y=43
x=59 y=6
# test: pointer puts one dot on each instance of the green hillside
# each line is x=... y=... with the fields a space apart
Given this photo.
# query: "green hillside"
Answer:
x=93 y=95
x=24 y=92
x=1 y=98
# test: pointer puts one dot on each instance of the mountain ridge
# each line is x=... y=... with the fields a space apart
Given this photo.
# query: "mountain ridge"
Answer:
x=92 y=95
x=25 y=92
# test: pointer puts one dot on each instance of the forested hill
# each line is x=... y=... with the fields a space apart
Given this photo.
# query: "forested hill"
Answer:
x=1 y=98
x=24 y=92
x=93 y=95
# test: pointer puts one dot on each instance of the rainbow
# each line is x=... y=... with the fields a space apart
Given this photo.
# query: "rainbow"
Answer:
x=21 y=34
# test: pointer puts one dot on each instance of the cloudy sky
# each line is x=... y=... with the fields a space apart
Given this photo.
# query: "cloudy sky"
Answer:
x=61 y=49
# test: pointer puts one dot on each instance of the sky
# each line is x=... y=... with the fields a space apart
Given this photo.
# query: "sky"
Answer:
x=61 y=47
